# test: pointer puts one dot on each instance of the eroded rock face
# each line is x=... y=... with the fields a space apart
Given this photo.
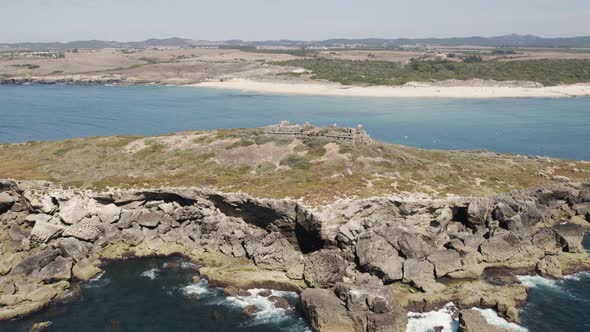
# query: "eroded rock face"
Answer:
x=379 y=257
x=473 y=321
x=324 y=268
x=350 y=255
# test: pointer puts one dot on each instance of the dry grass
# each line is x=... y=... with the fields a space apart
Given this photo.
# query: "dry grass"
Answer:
x=246 y=160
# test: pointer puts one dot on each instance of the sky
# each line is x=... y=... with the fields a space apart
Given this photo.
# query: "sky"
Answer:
x=134 y=20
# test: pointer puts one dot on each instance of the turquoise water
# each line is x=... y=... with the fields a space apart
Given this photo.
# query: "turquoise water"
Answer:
x=532 y=126
x=158 y=294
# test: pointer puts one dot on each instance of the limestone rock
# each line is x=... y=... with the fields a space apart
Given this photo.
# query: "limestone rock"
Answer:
x=35 y=262
x=85 y=270
x=324 y=268
x=445 y=262
x=41 y=326
x=420 y=273
x=59 y=269
x=6 y=202
x=149 y=219
x=378 y=257
x=572 y=235
x=40 y=202
x=43 y=232
x=280 y=302
x=109 y=213
x=72 y=247
x=479 y=211
x=250 y=310
x=324 y=311
x=550 y=267
x=42 y=294
x=88 y=229
x=72 y=211
x=473 y=321
x=132 y=236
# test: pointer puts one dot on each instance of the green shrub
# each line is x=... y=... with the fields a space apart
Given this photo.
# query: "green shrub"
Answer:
x=296 y=161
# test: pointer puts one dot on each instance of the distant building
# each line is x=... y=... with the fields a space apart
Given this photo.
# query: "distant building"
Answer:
x=356 y=136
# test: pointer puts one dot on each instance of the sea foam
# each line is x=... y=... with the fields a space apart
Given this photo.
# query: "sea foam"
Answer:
x=151 y=273
x=427 y=321
x=268 y=312
x=200 y=288
x=492 y=318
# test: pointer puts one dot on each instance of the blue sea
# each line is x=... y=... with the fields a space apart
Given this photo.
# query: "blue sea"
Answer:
x=127 y=298
x=531 y=126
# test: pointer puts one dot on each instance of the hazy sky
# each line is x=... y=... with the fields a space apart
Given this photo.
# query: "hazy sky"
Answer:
x=126 y=20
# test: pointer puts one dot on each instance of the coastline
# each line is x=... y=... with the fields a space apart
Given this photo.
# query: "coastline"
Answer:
x=414 y=90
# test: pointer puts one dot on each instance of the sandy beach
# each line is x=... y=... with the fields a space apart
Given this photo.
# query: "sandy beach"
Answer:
x=413 y=90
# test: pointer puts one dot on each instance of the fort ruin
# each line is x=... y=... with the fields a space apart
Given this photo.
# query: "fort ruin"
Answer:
x=355 y=136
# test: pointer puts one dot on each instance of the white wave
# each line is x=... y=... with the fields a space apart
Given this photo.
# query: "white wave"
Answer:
x=151 y=273
x=535 y=281
x=427 y=321
x=188 y=265
x=577 y=276
x=200 y=288
x=268 y=312
x=98 y=276
x=492 y=318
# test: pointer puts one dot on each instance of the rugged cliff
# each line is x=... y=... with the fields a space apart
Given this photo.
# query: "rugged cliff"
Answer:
x=359 y=264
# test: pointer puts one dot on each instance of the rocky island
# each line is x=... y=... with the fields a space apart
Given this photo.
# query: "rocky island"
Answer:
x=240 y=203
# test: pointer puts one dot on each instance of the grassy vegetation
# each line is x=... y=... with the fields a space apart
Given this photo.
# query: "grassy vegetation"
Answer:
x=314 y=169
x=547 y=72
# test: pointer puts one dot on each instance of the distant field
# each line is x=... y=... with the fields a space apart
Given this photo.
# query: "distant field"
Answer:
x=349 y=72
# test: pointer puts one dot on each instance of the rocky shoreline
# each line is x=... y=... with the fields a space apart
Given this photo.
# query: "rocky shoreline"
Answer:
x=360 y=265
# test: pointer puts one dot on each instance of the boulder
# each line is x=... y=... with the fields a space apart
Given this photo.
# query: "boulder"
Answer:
x=85 y=270
x=479 y=211
x=72 y=247
x=149 y=219
x=35 y=261
x=413 y=245
x=88 y=229
x=571 y=235
x=109 y=213
x=324 y=311
x=59 y=269
x=39 y=327
x=72 y=210
x=548 y=240
x=280 y=302
x=445 y=262
x=420 y=273
x=473 y=321
x=6 y=202
x=43 y=231
x=250 y=310
x=132 y=236
x=324 y=268
x=265 y=293
x=40 y=203
x=378 y=257
x=582 y=209
x=42 y=294
x=127 y=218
x=231 y=291
x=549 y=267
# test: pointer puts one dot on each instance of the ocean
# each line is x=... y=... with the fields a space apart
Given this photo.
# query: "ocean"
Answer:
x=530 y=126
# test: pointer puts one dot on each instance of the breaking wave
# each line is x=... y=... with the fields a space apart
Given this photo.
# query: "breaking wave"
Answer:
x=492 y=318
x=447 y=318
x=151 y=273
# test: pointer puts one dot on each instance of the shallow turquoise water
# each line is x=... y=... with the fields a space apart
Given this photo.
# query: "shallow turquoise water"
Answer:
x=158 y=294
x=532 y=126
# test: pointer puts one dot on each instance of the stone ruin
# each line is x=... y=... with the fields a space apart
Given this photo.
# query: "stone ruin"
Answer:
x=355 y=136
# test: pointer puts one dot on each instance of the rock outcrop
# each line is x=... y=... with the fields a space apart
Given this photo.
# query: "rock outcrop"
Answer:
x=360 y=264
